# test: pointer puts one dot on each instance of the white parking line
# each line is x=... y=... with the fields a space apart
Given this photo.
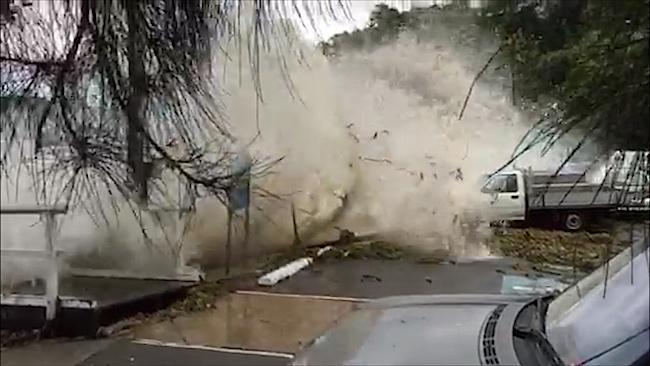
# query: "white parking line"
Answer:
x=299 y=296
x=152 y=342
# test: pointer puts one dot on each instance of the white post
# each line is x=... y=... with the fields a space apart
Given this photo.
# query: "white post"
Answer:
x=180 y=260
x=52 y=279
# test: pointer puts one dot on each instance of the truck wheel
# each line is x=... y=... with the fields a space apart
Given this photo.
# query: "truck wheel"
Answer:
x=573 y=221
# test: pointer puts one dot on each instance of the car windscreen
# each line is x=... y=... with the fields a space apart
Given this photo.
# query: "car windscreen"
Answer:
x=600 y=322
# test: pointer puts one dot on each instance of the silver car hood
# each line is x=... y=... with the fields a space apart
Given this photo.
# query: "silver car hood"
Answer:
x=411 y=330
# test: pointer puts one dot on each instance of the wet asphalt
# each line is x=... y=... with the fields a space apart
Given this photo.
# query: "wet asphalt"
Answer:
x=379 y=278
x=348 y=278
x=135 y=354
x=121 y=352
x=251 y=321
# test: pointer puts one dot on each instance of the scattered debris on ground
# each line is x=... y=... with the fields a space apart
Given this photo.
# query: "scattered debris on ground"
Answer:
x=201 y=297
x=198 y=298
x=18 y=338
x=438 y=256
x=371 y=278
x=122 y=327
x=371 y=249
x=348 y=245
x=366 y=250
x=557 y=251
x=279 y=259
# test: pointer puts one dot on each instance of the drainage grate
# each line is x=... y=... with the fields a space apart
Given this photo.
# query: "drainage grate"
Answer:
x=489 y=350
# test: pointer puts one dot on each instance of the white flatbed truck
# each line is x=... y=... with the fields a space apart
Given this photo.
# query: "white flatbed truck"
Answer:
x=565 y=200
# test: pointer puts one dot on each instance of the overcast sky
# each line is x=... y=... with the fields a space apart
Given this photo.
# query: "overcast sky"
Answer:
x=360 y=11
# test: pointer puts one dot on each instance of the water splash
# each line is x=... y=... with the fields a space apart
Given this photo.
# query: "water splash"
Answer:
x=372 y=143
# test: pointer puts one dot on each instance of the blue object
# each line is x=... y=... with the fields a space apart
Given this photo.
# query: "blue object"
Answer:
x=239 y=192
x=521 y=285
x=239 y=196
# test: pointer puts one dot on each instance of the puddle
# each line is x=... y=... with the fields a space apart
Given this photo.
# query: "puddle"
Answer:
x=255 y=322
x=485 y=258
x=520 y=285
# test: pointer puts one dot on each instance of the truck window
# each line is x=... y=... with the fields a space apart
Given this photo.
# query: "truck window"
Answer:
x=502 y=183
x=511 y=183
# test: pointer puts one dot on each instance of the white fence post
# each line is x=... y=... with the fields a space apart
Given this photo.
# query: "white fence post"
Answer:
x=52 y=281
x=49 y=253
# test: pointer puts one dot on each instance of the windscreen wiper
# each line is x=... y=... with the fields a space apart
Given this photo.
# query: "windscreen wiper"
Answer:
x=542 y=306
x=540 y=339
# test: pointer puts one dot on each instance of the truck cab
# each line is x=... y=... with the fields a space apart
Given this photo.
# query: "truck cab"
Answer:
x=505 y=194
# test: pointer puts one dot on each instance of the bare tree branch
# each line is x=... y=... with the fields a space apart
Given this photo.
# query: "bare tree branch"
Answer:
x=68 y=64
x=478 y=76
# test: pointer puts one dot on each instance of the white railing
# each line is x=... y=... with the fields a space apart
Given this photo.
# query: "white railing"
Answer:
x=51 y=252
x=182 y=272
x=48 y=254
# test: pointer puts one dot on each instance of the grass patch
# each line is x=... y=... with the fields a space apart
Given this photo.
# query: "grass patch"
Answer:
x=198 y=298
x=369 y=250
x=583 y=250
